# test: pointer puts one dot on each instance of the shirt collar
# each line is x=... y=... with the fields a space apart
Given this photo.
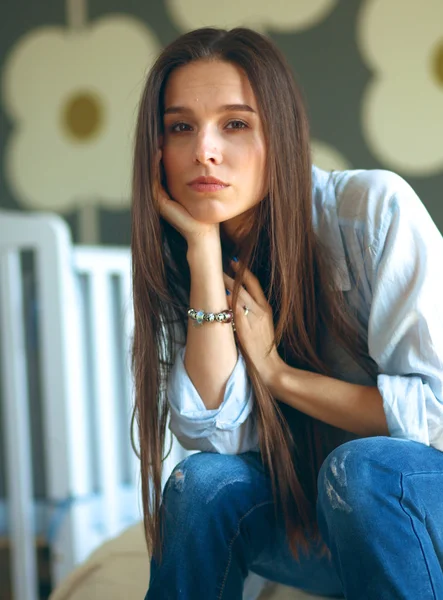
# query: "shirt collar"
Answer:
x=326 y=225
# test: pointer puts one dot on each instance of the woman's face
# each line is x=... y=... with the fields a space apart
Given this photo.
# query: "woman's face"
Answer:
x=212 y=129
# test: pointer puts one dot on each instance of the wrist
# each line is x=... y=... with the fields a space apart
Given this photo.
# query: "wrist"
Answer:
x=208 y=245
x=274 y=375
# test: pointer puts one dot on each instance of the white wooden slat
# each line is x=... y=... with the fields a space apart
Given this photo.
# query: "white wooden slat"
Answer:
x=17 y=433
x=103 y=357
x=63 y=370
x=67 y=447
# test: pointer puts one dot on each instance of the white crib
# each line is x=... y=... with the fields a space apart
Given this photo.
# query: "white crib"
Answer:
x=83 y=319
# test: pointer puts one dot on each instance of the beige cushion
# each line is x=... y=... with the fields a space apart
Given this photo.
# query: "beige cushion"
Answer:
x=119 y=570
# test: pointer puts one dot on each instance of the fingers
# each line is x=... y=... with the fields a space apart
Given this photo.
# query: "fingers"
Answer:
x=172 y=211
x=163 y=207
x=244 y=298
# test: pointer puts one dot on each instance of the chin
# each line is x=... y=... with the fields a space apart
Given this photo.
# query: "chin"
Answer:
x=209 y=219
x=210 y=210
x=208 y=215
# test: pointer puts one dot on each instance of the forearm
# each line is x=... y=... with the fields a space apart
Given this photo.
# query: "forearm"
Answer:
x=211 y=352
x=352 y=407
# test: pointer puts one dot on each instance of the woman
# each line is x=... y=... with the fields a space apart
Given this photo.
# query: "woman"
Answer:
x=315 y=396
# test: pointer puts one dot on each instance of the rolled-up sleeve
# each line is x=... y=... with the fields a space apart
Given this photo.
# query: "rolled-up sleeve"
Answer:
x=405 y=333
x=229 y=429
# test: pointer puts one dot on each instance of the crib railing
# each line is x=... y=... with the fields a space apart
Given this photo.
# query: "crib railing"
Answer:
x=82 y=325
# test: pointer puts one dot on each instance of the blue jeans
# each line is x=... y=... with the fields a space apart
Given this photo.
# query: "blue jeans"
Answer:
x=380 y=512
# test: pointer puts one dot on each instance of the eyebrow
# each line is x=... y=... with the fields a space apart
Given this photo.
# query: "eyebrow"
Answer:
x=173 y=110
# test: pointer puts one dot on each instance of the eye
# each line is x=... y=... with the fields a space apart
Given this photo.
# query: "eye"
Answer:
x=179 y=127
x=236 y=125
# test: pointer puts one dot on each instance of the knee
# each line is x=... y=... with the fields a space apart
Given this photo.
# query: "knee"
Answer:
x=349 y=478
x=204 y=479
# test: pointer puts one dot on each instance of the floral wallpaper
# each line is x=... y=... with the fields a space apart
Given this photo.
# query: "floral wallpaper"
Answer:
x=402 y=107
x=71 y=74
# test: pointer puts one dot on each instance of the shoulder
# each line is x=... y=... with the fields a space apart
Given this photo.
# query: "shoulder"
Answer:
x=367 y=198
x=370 y=213
x=382 y=209
x=371 y=195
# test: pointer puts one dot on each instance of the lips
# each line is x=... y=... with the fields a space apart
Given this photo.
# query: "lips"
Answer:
x=207 y=184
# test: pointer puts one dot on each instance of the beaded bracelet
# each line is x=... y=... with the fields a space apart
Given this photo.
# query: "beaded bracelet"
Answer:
x=200 y=316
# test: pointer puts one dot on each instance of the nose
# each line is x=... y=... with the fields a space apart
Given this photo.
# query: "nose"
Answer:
x=208 y=148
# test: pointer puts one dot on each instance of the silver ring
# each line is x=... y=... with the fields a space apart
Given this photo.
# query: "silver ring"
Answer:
x=246 y=310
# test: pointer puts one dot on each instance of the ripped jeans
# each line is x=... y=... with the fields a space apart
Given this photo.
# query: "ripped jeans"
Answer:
x=380 y=512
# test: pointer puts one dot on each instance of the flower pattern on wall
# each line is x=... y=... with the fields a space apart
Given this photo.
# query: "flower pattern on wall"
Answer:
x=402 y=110
x=327 y=157
x=279 y=15
x=73 y=95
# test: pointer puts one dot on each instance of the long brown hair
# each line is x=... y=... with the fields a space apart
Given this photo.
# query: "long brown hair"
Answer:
x=282 y=250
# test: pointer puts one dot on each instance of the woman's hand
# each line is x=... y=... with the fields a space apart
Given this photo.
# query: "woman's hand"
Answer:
x=256 y=328
x=180 y=218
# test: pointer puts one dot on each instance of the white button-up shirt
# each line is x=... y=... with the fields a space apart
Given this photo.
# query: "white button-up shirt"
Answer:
x=389 y=263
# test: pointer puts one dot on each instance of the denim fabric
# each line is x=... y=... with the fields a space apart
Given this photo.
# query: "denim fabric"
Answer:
x=380 y=507
x=388 y=255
